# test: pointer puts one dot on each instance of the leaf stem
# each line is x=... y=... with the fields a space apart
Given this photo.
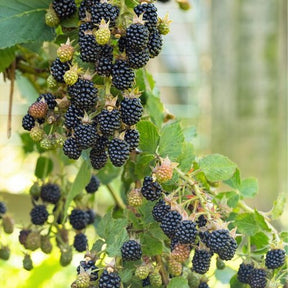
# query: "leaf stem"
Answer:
x=162 y=271
x=116 y=197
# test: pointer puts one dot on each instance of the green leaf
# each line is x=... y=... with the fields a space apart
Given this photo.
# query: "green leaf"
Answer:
x=189 y=133
x=279 y=206
x=7 y=56
x=27 y=143
x=149 y=136
x=260 y=240
x=144 y=161
x=231 y=196
x=150 y=246
x=261 y=222
x=235 y=180
x=155 y=109
x=217 y=167
x=28 y=91
x=126 y=275
x=284 y=236
x=171 y=140
x=246 y=224
x=234 y=283
x=178 y=282
x=23 y=21
x=146 y=212
x=249 y=187
x=108 y=173
x=187 y=157
x=131 y=3
x=82 y=179
x=97 y=246
x=44 y=166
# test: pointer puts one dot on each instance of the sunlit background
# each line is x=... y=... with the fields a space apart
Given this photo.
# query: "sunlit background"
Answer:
x=223 y=70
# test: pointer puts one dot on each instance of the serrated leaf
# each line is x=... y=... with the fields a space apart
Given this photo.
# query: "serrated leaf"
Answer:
x=7 y=56
x=81 y=180
x=248 y=187
x=149 y=136
x=126 y=275
x=284 y=236
x=235 y=283
x=261 y=222
x=146 y=211
x=178 y=282
x=108 y=173
x=27 y=142
x=187 y=157
x=231 y=196
x=143 y=163
x=97 y=246
x=235 y=180
x=150 y=246
x=189 y=133
x=246 y=224
x=25 y=21
x=44 y=167
x=279 y=206
x=171 y=140
x=155 y=109
x=217 y=167
x=260 y=240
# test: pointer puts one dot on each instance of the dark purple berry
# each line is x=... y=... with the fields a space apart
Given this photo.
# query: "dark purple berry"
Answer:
x=131 y=250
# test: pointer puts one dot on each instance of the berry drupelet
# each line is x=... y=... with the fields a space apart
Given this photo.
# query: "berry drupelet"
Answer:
x=131 y=251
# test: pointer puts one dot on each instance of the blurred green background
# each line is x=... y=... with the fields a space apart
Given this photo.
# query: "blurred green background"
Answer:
x=223 y=70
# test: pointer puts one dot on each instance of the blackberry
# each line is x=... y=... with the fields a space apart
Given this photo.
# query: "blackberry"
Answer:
x=155 y=43
x=104 y=11
x=131 y=110
x=151 y=190
x=275 y=258
x=58 y=69
x=258 y=278
x=137 y=59
x=85 y=6
x=84 y=94
x=91 y=216
x=98 y=160
x=28 y=122
x=150 y=14
x=50 y=193
x=204 y=236
x=72 y=117
x=131 y=250
x=49 y=99
x=170 y=222
x=78 y=219
x=71 y=148
x=201 y=261
x=132 y=138
x=89 y=265
x=3 y=208
x=174 y=243
x=203 y=285
x=86 y=135
x=64 y=8
x=122 y=44
x=80 y=242
x=137 y=36
x=201 y=221
x=104 y=66
x=244 y=272
x=118 y=151
x=101 y=144
x=186 y=232
x=93 y=184
x=218 y=240
x=146 y=282
x=109 y=280
x=39 y=215
x=122 y=75
x=228 y=252
x=160 y=210
x=109 y=121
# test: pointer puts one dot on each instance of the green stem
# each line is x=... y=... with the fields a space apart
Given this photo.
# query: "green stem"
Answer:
x=116 y=197
x=162 y=271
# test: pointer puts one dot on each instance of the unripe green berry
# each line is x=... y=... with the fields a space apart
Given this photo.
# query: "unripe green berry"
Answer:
x=45 y=244
x=155 y=279
x=193 y=280
x=103 y=34
x=66 y=255
x=220 y=264
x=83 y=280
x=33 y=241
x=27 y=262
x=71 y=76
x=51 y=18
x=51 y=82
x=35 y=191
x=174 y=267
x=37 y=133
x=8 y=224
x=142 y=272
x=65 y=52
x=135 y=198
x=4 y=253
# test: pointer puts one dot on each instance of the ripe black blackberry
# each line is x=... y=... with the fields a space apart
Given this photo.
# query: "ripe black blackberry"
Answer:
x=89 y=265
x=122 y=75
x=85 y=135
x=244 y=272
x=101 y=144
x=146 y=282
x=151 y=190
x=78 y=219
x=201 y=261
x=83 y=94
x=80 y=242
x=85 y=6
x=109 y=280
x=109 y=121
x=73 y=117
x=28 y=122
x=58 y=69
x=50 y=193
x=131 y=110
x=137 y=59
x=3 y=208
x=103 y=66
x=228 y=252
x=131 y=250
x=98 y=160
x=186 y=232
x=275 y=258
x=132 y=138
x=203 y=285
x=201 y=221
x=160 y=210
x=49 y=99
x=104 y=11
x=204 y=237
x=150 y=14
x=218 y=240
x=170 y=222
x=155 y=43
x=71 y=148
x=118 y=151
x=91 y=216
x=258 y=278
x=93 y=184
x=122 y=44
x=39 y=214
x=137 y=36
x=64 y=8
